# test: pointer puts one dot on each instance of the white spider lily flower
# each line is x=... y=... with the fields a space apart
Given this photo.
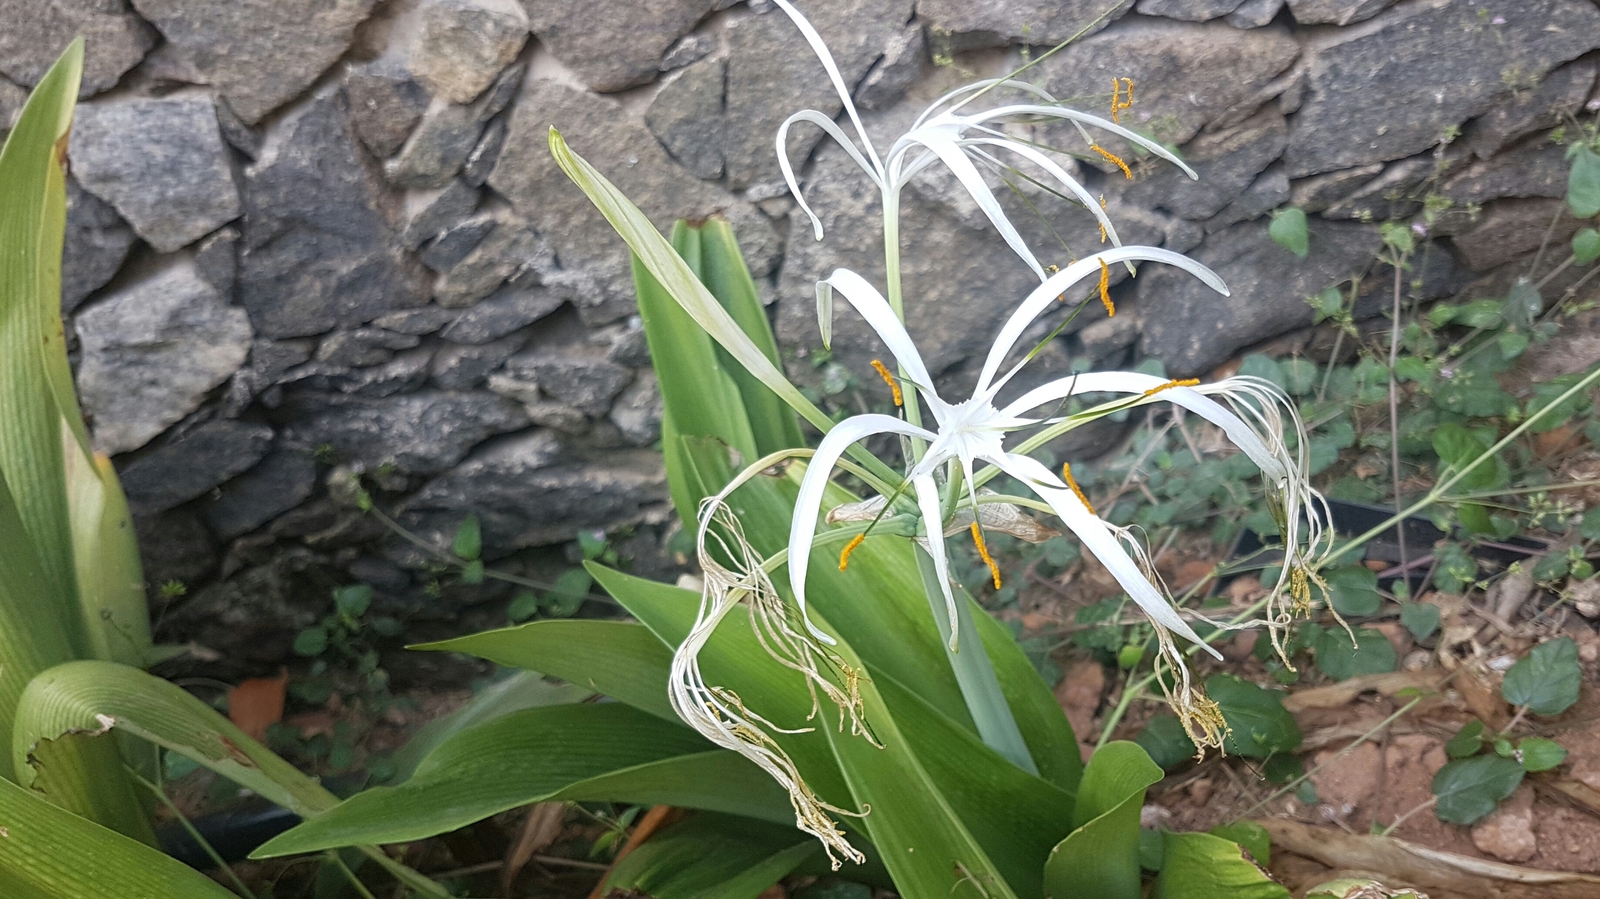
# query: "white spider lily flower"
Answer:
x=975 y=429
x=942 y=134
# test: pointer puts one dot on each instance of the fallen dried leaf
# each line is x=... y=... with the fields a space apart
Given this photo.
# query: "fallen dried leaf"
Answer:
x=257 y=704
x=1335 y=695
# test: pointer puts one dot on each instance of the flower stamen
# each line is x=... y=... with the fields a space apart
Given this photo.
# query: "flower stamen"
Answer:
x=1102 y=224
x=1187 y=382
x=1066 y=475
x=1105 y=290
x=983 y=553
x=844 y=557
x=1117 y=104
x=1114 y=159
x=893 y=382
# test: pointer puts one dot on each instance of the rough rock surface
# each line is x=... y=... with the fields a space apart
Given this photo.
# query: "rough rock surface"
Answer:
x=258 y=53
x=686 y=116
x=1254 y=13
x=1345 y=123
x=281 y=481
x=1336 y=12
x=36 y=31
x=1507 y=833
x=161 y=163
x=422 y=433
x=385 y=104
x=1188 y=10
x=462 y=45
x=319 y=247
x=182 y=469
x=444 y=141
x=97 y=240
x=152 y=351
x=991 y=23
x=613 y=44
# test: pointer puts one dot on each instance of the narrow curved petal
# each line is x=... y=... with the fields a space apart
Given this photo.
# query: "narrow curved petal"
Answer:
x=933 y=522
x=1096 y=536
x=826 y=58
x=807 y=506
x=1084 y=118
x=875 y=309
x=1062 y=177
x=974 y=87
x=1129 y=382
x=834 y=131
x=1045 y=294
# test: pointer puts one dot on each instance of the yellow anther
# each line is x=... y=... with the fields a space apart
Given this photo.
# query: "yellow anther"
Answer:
x=1188 y=382
x=1117 y=103
x=1102 y=221
x=983 y=552
x=1066 y=475
x=844 y=557
x=888 y=378
x=1114 y=159
x=1105 y=288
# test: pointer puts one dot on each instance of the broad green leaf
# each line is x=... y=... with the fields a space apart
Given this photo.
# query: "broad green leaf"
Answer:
x=1202 y=866
x=1467 y=741
x=1540 y=754
x=1583 y=182
x=712 y=857
x=1252 y=836
x=1258 y=724
x=1546 y=680
x=911 y=821
x=1288 y=228
x=522 y=690
x=31 y=639
x=115 y=616
x=49 y=853
x=1164 y=739
x=1586 y=246
x=1341 y=659
x=1470 y=788
x=588 y=751
x=1355 y=590
x=1100 y=858
x=1420 y=618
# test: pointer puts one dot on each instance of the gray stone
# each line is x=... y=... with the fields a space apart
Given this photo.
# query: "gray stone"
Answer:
x=1511 y=229
x=97 y=240
x=406 y=372
x=442 y=144
x=594 y=259
x=419 y=433
x=161 y=163
x=320 y=250
x=269 y=361
x=540 y=411
x=508 y=310
x=1192 y=329
x=1345 y=123
x=480 y=162
x=284 y=479
x=1109 y=336
x=452 y=246
x=1227 y=163
x=152 y=351
x=585 y=383
x=637 y=410
x=258 y=53
x=530 y=490
x=509 y=251
x=11 y=99
x=251 y=619
x=217 y=260
x=1255 y=13
x=180 y=470
x=686 y=116
x=981 y=23
x=361 y=347
x=461 y=45
x=239 y=135
x=385 y=105
x=1336 y=12
x=1318 y=192
x=613 y=44
x=1559 y=95
x=689 y=48
x=1187 y=75
x=1188 y=10
x=460 y=366
x=773 y=73
x=1269 y=191
x=36 y=31
x=1398 y=192
x=416 y=322
x=175 y=547
x=430 y=214
x=629 y=348
x=902 y=62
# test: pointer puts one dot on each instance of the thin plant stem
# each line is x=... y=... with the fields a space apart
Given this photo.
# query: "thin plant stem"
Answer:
x=1407 y=816
x=349 y=875
x=1394 y=406
x=189 y=828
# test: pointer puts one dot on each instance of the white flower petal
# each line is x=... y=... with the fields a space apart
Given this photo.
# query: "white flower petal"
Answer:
x=826 y=58
x=1061 y=176
x=875 y=309
x=808 y=504
x=834 y=131
x=933 y=521
x=1073 y=115
x=974 y=87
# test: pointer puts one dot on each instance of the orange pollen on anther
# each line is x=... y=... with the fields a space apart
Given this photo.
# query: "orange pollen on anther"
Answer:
x=1105 y=288
x=894 y=384
x=844 y=557
x=1189 y=382
x=1114 y=159
x=1117 y=103
x=1066 y=475
x=1102 y=221
x=983 y=552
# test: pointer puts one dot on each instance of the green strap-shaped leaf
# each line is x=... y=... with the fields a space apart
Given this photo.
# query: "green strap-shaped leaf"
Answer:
x=924 y=843
x=713 y=857
x=49 y=853
x=111 y=605
x=1100 y=859
x=588 y=751
x=1202 y=866
x=31 y=639
x=522 y=690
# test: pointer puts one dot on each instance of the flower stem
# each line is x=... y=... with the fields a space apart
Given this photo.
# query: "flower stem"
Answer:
x=975 y=674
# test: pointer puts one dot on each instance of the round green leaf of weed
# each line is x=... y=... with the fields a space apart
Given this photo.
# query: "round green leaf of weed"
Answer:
x=1468 y=789
x=1546 y=679
x=1289 y=230
x=1586 y=246
x=313 y=641
x=1355 y=590
x=1467 y=741
x=1202 y=866
x=1164 y=739
x=353 y=600
x=469 y=539
x=1590 y=526
x=1340 y=659
x=1539 y=754
x=1420 y=618
x=1583 y=184
x=1257 y=722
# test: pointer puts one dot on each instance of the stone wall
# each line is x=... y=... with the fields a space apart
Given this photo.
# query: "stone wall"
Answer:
x=313 y=236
